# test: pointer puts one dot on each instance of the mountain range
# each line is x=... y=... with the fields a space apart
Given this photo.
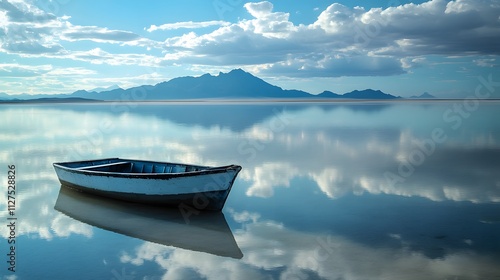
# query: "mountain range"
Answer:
x=236 y=84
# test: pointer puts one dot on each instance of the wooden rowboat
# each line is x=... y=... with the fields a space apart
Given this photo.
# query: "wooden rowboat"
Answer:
x=189 y=187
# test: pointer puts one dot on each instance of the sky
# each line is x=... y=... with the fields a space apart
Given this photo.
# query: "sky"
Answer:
x=446 y=48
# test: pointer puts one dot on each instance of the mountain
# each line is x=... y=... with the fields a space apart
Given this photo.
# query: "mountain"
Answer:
x=25 y=96
x=328 y=94
x=368 y=94
x=101 y=89
x=356 y=94
x=236 y=84
x=49 y=100
x=424 y=95
x=4 y=96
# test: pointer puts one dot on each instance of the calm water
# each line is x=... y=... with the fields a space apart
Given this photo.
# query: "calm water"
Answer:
x=328 y=191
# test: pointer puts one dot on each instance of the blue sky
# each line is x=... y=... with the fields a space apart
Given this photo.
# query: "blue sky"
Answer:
x=400 y=47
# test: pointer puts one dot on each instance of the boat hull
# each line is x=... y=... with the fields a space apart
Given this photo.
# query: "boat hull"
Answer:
x=204 y=188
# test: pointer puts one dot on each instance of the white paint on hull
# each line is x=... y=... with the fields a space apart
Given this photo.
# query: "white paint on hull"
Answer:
x=146 y=185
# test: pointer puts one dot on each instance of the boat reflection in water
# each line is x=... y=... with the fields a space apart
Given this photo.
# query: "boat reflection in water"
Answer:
x=205 y=231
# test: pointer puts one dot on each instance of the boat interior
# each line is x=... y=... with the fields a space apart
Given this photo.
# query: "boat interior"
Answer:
x=125 y=166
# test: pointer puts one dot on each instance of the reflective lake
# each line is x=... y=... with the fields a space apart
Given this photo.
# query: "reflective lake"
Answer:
x=381 y=190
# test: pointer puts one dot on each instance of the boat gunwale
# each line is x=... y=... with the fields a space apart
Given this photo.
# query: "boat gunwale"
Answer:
x=209 y=170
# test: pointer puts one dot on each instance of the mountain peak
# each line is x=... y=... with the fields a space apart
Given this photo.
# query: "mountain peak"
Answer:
x=237 y=71
x=368 y=94
x=328 y=94
x=424 y=95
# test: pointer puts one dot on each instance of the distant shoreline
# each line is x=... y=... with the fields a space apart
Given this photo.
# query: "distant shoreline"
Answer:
x=235 y=101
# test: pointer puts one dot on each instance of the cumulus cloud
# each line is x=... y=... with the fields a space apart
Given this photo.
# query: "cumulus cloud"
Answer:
x=338 y=18
x=29 y=31
x=342 y=41
x=25 y=29
x=259 y=10
x=267 y=23
x=347 y=41
x=336 y=65
x=439 y=27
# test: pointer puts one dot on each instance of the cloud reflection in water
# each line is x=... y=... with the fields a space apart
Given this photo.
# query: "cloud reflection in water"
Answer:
x=326 y=161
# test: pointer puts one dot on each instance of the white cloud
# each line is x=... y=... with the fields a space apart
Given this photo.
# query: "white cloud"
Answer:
x=24 y=12
x=187 y=25
x=336 y=65
x=463 y=6
x=71 y=71
x=19 y=70
x=30 y=32
x=259 y=10
x=97 y=34
x=338 y=18
x=99 y=56
x=24 y=30
x=342 y=41
x=441 y=27
x=347 y=41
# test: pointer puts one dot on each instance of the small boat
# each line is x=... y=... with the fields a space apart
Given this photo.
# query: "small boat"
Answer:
x=206 y=232
x=189 y=187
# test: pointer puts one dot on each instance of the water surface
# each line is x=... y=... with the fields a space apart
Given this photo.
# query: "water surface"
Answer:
x=382 y=190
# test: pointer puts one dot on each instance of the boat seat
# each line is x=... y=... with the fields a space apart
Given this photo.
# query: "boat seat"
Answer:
x=103 y=165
